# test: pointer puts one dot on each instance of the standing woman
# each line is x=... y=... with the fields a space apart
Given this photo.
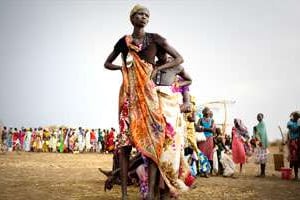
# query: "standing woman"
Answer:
x=206 y=125
x=27 y=139
x=239 y=135
x=262 y=137
x=110 y=142
x=141 y=121
x=100 y=141
x=294 y=142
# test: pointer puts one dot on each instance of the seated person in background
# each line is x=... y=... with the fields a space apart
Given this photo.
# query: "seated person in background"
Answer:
x=219 y=143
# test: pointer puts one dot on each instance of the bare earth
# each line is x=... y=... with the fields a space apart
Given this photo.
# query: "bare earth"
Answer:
x=75 y=176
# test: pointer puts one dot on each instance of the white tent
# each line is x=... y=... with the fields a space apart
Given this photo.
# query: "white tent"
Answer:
x=222 y=113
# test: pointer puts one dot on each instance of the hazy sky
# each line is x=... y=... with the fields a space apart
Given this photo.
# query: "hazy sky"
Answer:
x=52 y=54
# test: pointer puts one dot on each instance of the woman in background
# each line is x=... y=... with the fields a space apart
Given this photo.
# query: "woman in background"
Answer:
x=294 y=142
x=261 y=136
x=206 y=125
x=239 y=135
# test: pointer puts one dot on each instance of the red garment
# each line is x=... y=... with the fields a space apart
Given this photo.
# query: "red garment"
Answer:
x=22 y=138
x=294 y=150
x=93 y=135
x=110 y=143
x=189 y=180
x=207 y=147
x=15 y=136
x=238 y=150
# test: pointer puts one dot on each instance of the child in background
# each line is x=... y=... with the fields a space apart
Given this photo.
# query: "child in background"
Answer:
x=220 y=147
x=191 y=160
x=198 y=162
x=253 y=140
x=262 y=137
x=227 y=164
x=228 y=142
x=259 y=153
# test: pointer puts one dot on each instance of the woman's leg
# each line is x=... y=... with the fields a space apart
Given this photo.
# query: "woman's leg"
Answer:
x=124 y=163
x=164 y=194
x=211 y=166
x=153 y=176
x=296 y=170
x=262 y=170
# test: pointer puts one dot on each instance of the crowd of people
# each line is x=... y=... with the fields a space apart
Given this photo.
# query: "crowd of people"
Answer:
x=212 y=153
x=63 y=140
x=207 y=150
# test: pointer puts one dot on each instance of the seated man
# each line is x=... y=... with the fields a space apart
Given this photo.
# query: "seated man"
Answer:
x=113 y=176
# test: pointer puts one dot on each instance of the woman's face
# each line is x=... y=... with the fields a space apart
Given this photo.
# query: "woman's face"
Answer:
x=140 y=18
x=259 y=117
x=205 y=112
x=236 y=123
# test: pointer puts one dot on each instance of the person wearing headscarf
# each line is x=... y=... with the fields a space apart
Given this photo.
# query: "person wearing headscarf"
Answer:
x=53 y=140
x=239 y=136
x=262 y=150
x=87 y=140
x=27 y=140
x=141 y=120
x=81 y=139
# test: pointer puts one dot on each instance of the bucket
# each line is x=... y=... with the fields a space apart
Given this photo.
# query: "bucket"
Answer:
x=278 y=162
x=286 y=173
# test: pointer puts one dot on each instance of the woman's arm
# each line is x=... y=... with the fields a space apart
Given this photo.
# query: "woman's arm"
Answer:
x=171 y=51
x=187 y=80
x=184 y=82
x=191 y=117
x=186 y=106
x=177 y=58
x=110 y=59
x=198 y=126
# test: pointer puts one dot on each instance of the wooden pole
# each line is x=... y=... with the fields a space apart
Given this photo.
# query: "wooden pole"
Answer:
x=281 y=148
x=225 y=118
x=282 y=136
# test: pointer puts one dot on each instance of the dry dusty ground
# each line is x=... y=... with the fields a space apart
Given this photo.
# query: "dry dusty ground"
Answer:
x=75 y=176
